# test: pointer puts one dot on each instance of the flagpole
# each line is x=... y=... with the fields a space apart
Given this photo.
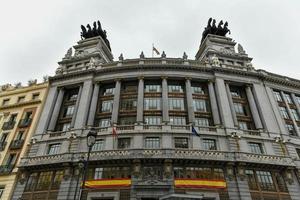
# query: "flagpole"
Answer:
x=152 y=50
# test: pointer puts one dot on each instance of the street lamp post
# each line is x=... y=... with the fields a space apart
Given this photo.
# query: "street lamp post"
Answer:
x=91 y=139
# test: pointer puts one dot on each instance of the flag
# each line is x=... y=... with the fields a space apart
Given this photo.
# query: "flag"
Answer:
x=155 y=50
x=114 y=132
x=194 y=131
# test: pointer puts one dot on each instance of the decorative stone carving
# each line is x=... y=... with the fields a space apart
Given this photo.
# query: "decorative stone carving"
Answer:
x=163 y=55
x=184 y=57
x=241 y=171
x=67 y=173
x=121 y=58
x=289 y=176
x=68 y=55
x=241 y=49
x=136 y=168
x=249 y=66
x=230 y=171
x=93 y=63
x=45 y=78
x=18 y=85
x=215 y=61
x=142 y=56
x=59 y=70
x=32 y=82
x=227 y=51
x=23 y=177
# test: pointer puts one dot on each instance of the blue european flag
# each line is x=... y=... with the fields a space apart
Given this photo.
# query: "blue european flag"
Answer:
x=194 y=131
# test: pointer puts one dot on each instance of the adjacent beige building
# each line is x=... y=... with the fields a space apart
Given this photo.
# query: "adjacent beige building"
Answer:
x=19 y=112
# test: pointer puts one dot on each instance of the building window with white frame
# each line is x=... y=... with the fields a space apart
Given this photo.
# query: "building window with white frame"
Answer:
x=288 y=98
x=295 y=114
x=152 y=104
x=256 y=148
x=105 y=123
x=152 y=142
x=284 y=112
x=175 y=88
x=109 y=91
x=124 y=143
x=277 y=96
x=152 y=88
x=107 y=106
x=204 y=122
x=54 y=149
x=99 y=145
x=181 y=142
x=176 y=104
x=200 y=105
x=177 y=120
x=152 y=120
x=209 y=144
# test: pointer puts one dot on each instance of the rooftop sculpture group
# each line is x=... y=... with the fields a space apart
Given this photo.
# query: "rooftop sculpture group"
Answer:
x=90 y=32
x=211 y=28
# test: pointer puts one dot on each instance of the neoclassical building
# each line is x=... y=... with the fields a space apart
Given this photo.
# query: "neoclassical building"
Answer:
x=20 y=108
x=211 y=128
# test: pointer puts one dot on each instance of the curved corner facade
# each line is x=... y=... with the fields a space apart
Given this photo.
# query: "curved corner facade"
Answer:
x=213 y=128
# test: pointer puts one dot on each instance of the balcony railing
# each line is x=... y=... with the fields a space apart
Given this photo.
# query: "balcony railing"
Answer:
x=25 y=122
x=16 y=144
x=2 y=145
x=125 y=127
x=152 y=127
x=221 y=156
x=8 y=125
x=181 y=127
x=6 y=169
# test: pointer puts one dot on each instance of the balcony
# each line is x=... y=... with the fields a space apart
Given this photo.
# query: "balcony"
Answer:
x=6 y=169
x=2 y=145
x=8 y=125
x=16 y=144
x=24 y=123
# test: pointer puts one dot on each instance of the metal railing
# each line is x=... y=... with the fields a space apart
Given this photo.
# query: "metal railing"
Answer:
x=2 y=145
x=16 y=144
x=6 y=169
x=25 y=122
x=8 y=125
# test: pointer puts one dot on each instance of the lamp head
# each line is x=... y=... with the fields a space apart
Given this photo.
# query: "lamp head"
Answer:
x=91 y=138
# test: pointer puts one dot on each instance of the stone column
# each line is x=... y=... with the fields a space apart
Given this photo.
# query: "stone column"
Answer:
x=116 y=102
x=76 y=107
x=189 y=100
x=140 y=101
x=290 y=113
x=48 y=108
x=223 y=103
x=213 y=103
x=253 y=108
x=93 y=106
x=83 y=107
x=56 y=109
x=165 y=100
x=235 y=121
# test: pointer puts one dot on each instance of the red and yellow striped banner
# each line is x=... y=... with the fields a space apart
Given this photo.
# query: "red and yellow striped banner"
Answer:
x=108 y=183
x=199 y=183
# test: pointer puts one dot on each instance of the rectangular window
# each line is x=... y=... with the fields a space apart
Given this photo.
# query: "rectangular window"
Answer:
x=176 y=104
x=152 y=88
x=202 y=122
x=152 y=142
x=178 y=172
x=152 y=120
x=109 y=91
x=239 y=109
x=127 y=120
x=98 y=146
x=44 y=181
x=66 y=126
x=180 y=142
x=251 y=179
x=265 y=180
x=277 y=96
x=152 y=104
x=11 y=159
x=256 y=148
x=54 y=149
x=107 y=106
x=19 y=135
x=35 y=96
x=21 y=99
x=243 y=125
x=123 y=143
x=58 y=177
x=128 y=104
x=98 y=174
x=31 y=183
x=177 y=120
x=209 y=144
x=104 y=123
x=284 y=113
x=130 y=88
x=197 y=90
x=72 y=94
x=236 y=92
x=288 y=98
x=175 y=88
x=291 y=129
x=295 y=114
x=3 y=138
x=69 y=111
x=200 y=105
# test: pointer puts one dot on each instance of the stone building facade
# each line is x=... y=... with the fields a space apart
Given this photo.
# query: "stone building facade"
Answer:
x=19 y=112
x=247 y=121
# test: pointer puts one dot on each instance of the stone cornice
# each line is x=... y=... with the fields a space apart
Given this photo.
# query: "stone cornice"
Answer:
x=24 y=89
x=176 y=63
x=25 y=103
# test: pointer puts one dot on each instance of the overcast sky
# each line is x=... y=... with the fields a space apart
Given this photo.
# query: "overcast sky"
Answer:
x=35 y=35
